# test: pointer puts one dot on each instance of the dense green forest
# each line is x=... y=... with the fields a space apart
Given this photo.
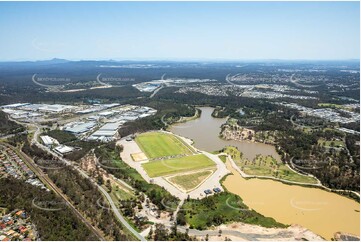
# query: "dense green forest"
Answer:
x=83 y=194
x=51 y=225
x=86 y=197
x=7 y=126
x=334 y=167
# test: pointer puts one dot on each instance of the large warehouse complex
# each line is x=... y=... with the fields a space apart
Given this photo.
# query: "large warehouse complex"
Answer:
x=96 y=122
x=79 y=128
x=106 y=133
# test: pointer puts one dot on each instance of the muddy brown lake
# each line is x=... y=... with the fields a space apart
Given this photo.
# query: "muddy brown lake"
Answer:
x=204 y=131
x=321 y=211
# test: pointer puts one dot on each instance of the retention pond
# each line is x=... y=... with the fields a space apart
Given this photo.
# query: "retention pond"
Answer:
x=318 y=210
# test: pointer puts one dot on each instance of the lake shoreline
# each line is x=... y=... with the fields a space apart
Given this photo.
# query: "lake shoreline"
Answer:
x=319 y=210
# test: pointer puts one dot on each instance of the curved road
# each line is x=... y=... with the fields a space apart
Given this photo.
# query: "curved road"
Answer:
x=115 y=210
x=294 y=81
x=120 y=217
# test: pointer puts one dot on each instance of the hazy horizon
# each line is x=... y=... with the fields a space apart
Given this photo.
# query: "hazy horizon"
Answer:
x=215 y=60
x=226 y=31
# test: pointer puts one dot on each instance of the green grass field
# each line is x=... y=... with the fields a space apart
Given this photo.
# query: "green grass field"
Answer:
x=176 y=165
x=266 y=166
x=220 y=209
x=329 y=105
x=329 y=143
x=119 y=194
x=157 y=144
x=332 y=105
x=190 y=181
x=233 y=152
x=131 y=176
x=223 y=158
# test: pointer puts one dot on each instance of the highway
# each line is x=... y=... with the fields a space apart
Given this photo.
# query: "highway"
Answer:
x=294 y=81
x=159 y=88
x=228 y=77
x=162 y=78
x=156 y=90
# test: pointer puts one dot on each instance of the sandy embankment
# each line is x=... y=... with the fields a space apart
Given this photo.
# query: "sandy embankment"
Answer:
x=241 y=231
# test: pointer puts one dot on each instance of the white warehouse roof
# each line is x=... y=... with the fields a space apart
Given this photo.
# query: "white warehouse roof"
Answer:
x=107 y=133
x=111 y=105
x=109 y=126
x=81 y=128
x=15 y=105
x=106 y=113
x=47 y=140
x=63 y=149
x=55 y=108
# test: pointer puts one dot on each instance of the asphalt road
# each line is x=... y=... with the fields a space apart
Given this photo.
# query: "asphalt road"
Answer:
x=49 y=183
x=119 y=216
x=115 y=210
x=156 y=90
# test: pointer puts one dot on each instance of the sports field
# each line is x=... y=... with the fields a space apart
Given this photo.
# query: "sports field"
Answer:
x=176 y=165
x=190 y=181
x=157 y=144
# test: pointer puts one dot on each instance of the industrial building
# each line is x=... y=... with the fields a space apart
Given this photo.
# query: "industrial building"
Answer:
x=56 y=108
x=93 y=118
x=88 y=110
x=106 y=113
x=49 y=141
x=63 y=149
x=40 y=112
x=106 y=133
x=110 y=127
x=80 y=128
x=96 y=108
x=111 y=105
x=15 y=105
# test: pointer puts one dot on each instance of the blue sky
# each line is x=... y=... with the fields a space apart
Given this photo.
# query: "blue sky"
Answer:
x=179 y=30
